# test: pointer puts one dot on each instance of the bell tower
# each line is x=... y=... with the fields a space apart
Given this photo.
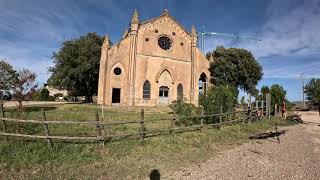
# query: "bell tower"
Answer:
x=103 y=71
x=132 y=57
x=194 y=41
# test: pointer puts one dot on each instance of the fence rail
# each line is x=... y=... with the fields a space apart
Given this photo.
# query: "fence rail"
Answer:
x=143 y=132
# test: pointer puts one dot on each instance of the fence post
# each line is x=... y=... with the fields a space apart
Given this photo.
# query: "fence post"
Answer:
x=235 y=115
x=99 y=130
x=249 y=102
x=269 y=105
x=201 y=120
x=4 y=128
x=173 y=122
x=2 y=110
x=220 y=117
x=142 y=125
x=262 y=107
x=243 y=117
x=250 y=114
x=46 y=128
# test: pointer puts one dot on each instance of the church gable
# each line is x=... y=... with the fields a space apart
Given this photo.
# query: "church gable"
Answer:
x=164 y=37
x=164 y=19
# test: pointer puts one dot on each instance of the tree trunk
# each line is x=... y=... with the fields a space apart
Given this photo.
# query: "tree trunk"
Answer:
x=19 y=115
x=1 y=98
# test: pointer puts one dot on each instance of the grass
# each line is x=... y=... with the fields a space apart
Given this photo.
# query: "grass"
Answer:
x=125 y=159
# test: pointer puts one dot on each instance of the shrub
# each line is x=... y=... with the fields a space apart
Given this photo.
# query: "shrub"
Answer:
x=218 y=96
x=35 y=95
x=44 y=94
x=182 y=108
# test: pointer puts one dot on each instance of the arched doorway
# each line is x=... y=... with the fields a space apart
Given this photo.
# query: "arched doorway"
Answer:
x=164 y=95
x=165 y=84
x=116 y=91
x=203 y=84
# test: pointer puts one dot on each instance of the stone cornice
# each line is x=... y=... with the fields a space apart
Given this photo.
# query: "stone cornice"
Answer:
x=165 y=57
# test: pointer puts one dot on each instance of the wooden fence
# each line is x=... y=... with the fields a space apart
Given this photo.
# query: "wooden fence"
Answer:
x=200 y=122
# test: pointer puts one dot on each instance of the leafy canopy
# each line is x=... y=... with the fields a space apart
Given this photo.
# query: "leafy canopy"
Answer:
x=264 y=90
x=7 y=76
x=277 y=94
x=312 y=90
x=25 y=85
x=76 y=66
x=44 y=94
x=236 y=67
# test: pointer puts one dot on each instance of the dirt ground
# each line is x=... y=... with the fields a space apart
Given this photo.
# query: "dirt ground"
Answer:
x=297 y=156
x=14 y=103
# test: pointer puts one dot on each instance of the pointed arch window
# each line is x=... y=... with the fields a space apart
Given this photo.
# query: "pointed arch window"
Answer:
x=146 y=90
x=180 y=92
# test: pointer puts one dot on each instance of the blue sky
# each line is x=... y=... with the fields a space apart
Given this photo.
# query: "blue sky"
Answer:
x=31 y=30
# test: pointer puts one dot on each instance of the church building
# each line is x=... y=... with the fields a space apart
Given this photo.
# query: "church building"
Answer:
x=156 y=62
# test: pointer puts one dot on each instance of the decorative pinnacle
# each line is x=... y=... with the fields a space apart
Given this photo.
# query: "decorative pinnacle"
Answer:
x=211 y=58
x=193 y=31
x=166 y=11
x=135 y=18
x=125 y=33
x=106 y=41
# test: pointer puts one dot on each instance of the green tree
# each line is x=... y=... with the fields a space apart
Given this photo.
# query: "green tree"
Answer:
x=277 y=94
x=236 y=67
x=264 y=91
x=77 y=66
x=312 y=90
x=24 y=88
x=218 y=96
x=7 y=77
x=44 y=94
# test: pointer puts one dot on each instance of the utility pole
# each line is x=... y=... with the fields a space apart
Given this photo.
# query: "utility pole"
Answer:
x=302 y=79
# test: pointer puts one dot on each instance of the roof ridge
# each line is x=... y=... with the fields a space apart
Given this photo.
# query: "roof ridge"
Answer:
x=162 y=15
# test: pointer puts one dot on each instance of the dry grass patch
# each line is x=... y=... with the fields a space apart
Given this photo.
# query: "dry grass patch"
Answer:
x=125 y=159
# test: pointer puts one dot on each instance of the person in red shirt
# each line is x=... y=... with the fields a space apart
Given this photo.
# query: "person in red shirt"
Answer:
x=283 y=109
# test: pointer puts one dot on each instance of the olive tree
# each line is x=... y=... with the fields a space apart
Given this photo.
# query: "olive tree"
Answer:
x=312 y=90
x=76 y=66
x=236 y=67
x=7 y=77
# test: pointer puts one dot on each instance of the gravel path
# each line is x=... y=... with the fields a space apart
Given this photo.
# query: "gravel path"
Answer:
x=297 y=156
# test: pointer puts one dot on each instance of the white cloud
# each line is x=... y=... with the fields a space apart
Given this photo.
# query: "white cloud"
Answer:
x=290 y=39
x=291 y=28
x=291 y=71
x=29 y=33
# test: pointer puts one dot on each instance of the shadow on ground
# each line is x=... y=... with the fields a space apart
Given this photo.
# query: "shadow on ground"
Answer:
x=155 y=174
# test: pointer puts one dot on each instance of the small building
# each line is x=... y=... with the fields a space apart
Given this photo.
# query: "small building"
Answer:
x=53 y=91
x=156 y=62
